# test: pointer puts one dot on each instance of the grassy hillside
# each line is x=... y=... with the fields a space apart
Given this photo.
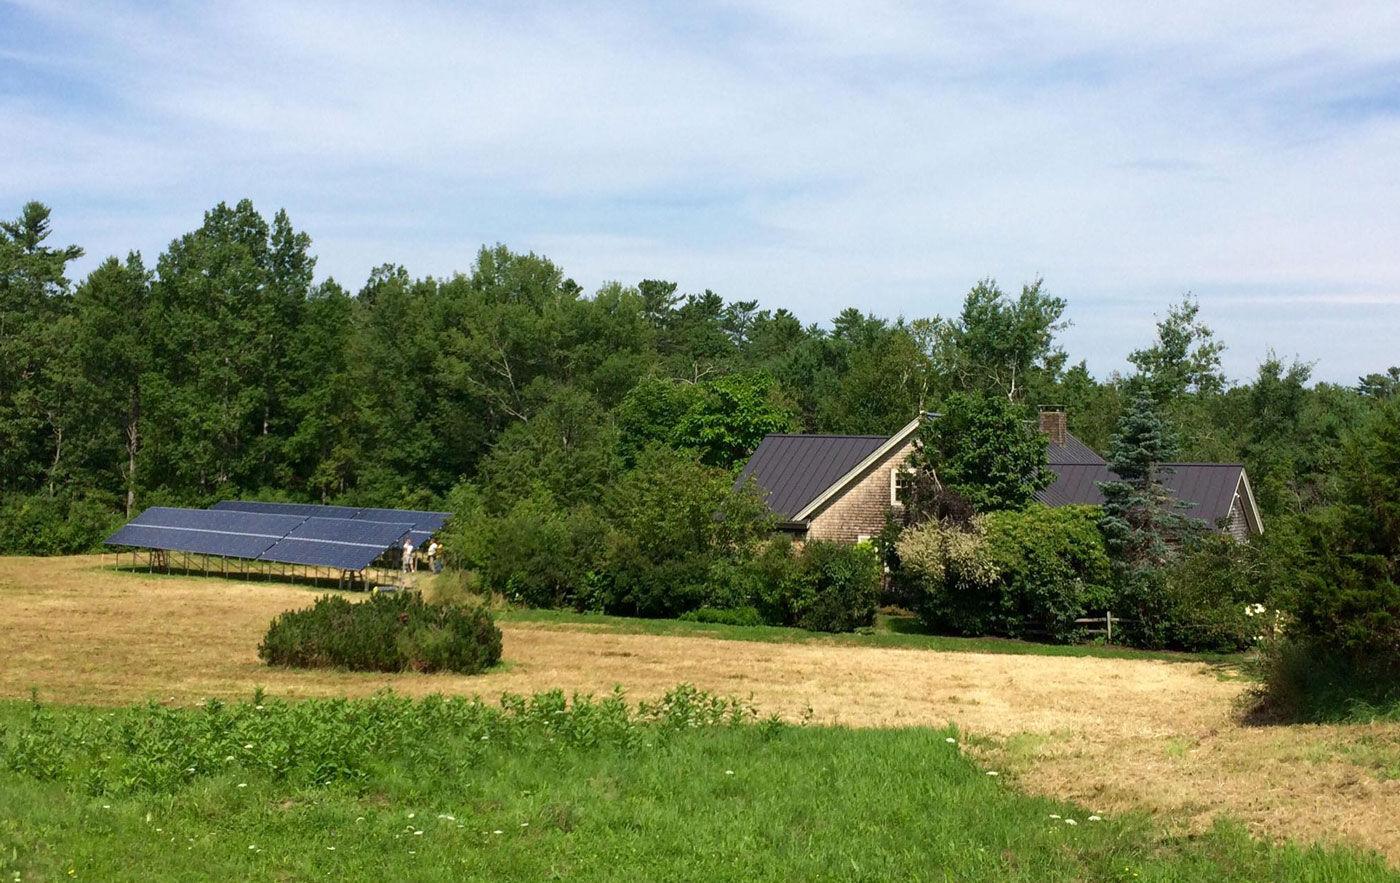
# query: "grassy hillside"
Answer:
x=687 y=789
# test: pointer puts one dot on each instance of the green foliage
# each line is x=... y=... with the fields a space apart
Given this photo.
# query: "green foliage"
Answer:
x=1029 y=573
x=39 y=524
x=538 y=553
x=1141 y=521
x=600 y=786
x=384 y=633
x=826 y=587
x=731 y=416
x=983 y=448
x=1217 y=595
x=1001 y=347
x=1349 y=603
x=1052 y=569
x=1185 y=357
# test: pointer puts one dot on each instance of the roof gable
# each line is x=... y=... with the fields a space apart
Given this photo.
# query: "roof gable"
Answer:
x=1209 y=488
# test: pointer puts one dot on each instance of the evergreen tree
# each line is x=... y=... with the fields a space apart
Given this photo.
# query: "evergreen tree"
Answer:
x=36 y=381
x=1141 y=519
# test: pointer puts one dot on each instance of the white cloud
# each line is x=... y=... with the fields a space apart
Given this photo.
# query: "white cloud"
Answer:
x=812 y=155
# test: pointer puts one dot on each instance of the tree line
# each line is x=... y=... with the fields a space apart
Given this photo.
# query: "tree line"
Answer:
x=223 y=368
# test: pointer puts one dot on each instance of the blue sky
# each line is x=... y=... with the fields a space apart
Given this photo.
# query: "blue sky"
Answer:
x=810 y=155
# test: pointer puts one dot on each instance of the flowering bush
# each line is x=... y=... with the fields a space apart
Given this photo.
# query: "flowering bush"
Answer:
x=1028 y=573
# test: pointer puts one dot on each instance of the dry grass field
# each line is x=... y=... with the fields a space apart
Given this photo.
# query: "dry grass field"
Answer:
x=1113 y=734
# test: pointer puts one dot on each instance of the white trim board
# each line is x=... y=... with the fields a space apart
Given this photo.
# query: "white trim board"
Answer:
x=846 y=480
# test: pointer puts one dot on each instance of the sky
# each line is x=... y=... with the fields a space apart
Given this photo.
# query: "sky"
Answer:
x=811 y=155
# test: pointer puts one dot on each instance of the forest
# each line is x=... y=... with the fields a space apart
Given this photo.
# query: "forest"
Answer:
x=558 y=422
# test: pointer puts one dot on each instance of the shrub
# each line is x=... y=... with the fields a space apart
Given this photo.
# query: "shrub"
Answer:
x=1052 y=569
x=946 y=574
x=384 y=633
x=827 y=587
x=1028 y=573
x=63 y=524
x=539 y=554
x=1217 y=595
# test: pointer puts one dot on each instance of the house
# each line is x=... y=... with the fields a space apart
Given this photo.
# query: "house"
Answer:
x=839 y=487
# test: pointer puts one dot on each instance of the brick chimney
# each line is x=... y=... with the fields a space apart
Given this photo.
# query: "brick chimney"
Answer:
x=1053 y=423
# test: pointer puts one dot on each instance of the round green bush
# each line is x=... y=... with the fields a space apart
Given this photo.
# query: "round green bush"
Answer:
x=384 y=633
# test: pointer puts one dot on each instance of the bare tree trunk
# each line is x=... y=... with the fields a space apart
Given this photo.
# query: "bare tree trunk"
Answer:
x=133 y=443
x=57 y=456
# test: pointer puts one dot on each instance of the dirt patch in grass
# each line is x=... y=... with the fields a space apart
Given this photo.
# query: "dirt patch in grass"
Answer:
x=1112 y=733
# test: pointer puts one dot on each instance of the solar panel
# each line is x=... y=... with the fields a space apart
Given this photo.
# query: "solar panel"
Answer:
x=303 y=509
x=344 y=544
x=228 y=533
x=339 y=537
x=422 y=521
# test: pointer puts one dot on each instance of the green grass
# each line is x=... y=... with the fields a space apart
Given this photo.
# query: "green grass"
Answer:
x=690 y=789
x=889 y=631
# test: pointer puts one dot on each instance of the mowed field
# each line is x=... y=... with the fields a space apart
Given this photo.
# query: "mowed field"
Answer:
x=1113 y=734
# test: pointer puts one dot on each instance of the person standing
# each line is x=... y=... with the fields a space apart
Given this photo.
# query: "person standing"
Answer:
x=408 y=555
x=434 y=556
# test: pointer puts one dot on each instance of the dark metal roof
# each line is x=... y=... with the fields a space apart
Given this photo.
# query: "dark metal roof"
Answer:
x=793 y=470
x=1209 y=488
x=1073 y=452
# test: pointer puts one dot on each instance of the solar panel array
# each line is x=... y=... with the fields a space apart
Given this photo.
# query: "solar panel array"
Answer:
x=342 y=543
x=425 y=524
x=340 y=537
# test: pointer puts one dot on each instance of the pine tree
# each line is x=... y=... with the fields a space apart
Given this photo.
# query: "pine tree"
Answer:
x=1142 y=520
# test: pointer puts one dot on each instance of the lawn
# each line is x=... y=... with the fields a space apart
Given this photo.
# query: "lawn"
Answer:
x=385 y=788
x=889 y=631
x=1122 y=735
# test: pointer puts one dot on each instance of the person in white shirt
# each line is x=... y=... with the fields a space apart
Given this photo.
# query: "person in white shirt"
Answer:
x=408 y=556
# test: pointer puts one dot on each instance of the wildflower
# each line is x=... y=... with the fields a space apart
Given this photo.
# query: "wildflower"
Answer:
x=331 y=848
x=729 y=772
x=417 y=833
x=951 y=741
x=359 y=818
x=229 y=759
x=243 y=784
x=524 y=824
x=1054 y=815
x=106 y=806
x=993 y=773
x=189 y=769
x=412 y=814
x=1095 y=818
x=249 y=746
x=447 y=816
x=1070 y=822
x=498 y=831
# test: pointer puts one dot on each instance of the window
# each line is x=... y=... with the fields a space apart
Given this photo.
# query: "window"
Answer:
x=901 y=481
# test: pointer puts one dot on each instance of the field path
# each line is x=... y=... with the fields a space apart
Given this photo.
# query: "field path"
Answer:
x=1111 y=733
